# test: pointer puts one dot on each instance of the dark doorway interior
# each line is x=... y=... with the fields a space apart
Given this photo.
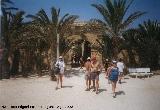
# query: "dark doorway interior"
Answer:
x=87 y=50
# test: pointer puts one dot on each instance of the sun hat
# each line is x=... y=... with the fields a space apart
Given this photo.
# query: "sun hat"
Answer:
x=60 y=57
x=107 y=60
x=114 y=61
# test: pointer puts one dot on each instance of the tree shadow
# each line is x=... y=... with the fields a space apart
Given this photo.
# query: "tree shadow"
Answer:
x=67 y=86
x=126 y=78
x=122 y=82
x=101 y=90
x=120 y=93
x=72 y=72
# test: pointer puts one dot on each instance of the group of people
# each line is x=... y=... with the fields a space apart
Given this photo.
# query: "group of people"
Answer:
x=114 y=73
x=93 y=68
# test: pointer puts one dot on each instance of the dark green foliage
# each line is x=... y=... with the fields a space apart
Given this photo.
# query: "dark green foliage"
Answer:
x=54 y=26
x=115 y=23
x=146 y=41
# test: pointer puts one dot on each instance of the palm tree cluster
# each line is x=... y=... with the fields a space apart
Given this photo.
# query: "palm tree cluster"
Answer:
x=116 y=35
x=34 y=39
x=114 y=23
x=145 y=40
x=37 y=38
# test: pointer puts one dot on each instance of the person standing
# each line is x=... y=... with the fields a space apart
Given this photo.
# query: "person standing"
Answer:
x=106 y=65
x=120 y=66
x=60 y=65
x=87 y=73
x=113 y=76
x=81 y=62
x=15 y=62
x=95 y=71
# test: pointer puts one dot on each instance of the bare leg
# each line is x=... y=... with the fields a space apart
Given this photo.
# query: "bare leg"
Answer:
x=89 y=83
x=97 y=86
x=86 y=83
x=57 y=77
x=94 y=88
x=61 y=80
x=94 y=83
x=120 y=78
x=113 y=88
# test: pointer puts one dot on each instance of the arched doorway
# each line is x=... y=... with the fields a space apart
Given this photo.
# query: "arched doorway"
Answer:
x=80 y=49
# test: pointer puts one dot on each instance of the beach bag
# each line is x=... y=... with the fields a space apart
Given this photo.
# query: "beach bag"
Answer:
x=56 y=69
x=114 y=74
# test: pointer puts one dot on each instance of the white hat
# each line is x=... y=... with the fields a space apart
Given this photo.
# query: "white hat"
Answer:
x=60 y=57
x=114 y=61
x=88 y=58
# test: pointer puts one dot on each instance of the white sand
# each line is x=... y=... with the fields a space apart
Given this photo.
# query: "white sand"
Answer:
x=133 y=94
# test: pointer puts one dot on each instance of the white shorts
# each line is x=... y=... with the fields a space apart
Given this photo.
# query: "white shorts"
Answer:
x=120 y=73
x=62 y=71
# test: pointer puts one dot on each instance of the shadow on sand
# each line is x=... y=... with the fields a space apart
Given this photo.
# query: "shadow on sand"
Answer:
x=72 y=72
x=120 y=93
x=122 y=82
x=126 y=78
x=101 y=90
x=67 y=86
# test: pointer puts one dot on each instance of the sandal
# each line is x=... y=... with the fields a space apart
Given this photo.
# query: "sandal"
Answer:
x=86 y=89
x=114 y=95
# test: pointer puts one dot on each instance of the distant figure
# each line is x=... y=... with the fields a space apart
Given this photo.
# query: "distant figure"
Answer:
x=106 y=65
x=120 y=66
x=95 y=71
x=60 y=65
x=113 y=76
x=81 y=63
x=15 y=62
x=88 y=73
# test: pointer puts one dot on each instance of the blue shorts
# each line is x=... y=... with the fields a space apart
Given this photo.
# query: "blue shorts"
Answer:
x=113 y=77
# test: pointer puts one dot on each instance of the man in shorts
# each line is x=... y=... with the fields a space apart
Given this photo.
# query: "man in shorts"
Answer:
x=120 y=66
x=95 y=71
x=87 y=73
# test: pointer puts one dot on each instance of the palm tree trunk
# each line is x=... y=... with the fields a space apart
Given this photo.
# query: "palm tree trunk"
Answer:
x=57 y=46
x=83 y=48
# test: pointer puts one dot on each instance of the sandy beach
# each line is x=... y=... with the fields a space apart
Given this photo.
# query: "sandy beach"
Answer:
x=132 y=94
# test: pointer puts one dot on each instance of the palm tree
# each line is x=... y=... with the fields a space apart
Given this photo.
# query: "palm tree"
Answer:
x=145 y=41
x=55 y=27
x=11 y=28
x=149 y=43
x=5 y=7
x=115 y=22
x=130 y=44
x=33 y=44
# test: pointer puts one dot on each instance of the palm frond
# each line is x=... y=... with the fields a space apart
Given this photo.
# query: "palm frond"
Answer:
x=131 y=18
x=104 y=12
x=42 y=14
x=4 y=2
x=55 y=15
x=68 y=21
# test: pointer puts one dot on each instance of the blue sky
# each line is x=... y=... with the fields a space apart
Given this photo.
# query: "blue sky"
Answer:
x=85 y=11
